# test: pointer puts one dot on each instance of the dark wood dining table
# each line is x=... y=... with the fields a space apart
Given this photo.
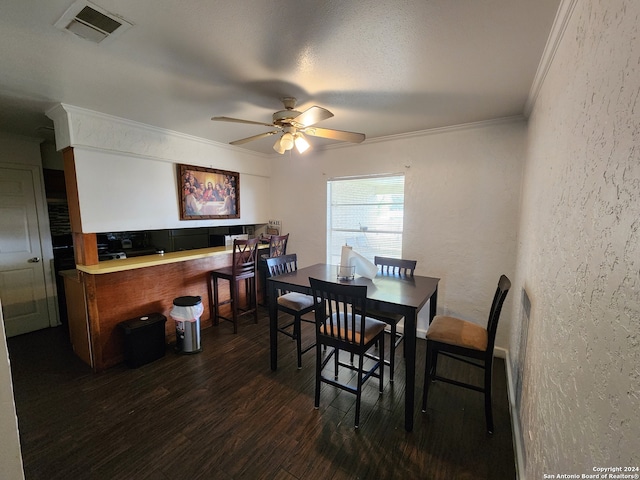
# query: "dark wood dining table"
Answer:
x=405 y=295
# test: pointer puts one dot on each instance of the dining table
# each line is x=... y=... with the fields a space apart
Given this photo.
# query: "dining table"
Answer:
x=403 y=294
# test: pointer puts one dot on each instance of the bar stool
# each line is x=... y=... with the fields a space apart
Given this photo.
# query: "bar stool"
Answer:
x=294 y=303
x=277 y=248
x=394 y=267
x=243 y=267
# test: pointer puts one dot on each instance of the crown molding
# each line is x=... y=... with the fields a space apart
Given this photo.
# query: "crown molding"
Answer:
x=433 y=131
x=80 y=127
x=565 y=11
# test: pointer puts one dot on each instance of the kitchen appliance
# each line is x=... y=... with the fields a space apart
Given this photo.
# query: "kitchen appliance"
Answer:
x=111 y=256
x=109 y=249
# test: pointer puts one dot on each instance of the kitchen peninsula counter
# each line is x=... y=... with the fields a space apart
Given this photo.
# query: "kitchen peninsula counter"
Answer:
x=123 y=264
x=122 y=289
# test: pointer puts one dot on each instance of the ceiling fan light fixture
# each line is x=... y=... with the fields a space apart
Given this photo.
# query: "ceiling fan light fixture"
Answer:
x=301 y=143
x=286 y=142
x=278 y=147
x=290 y=122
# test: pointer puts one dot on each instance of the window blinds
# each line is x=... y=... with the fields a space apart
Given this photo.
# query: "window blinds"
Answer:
x=366 y=213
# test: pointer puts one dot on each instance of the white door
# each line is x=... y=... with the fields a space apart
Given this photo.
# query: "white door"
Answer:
x=22 y=274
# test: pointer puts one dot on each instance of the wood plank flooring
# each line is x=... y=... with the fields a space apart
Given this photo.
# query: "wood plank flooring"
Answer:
x=223 y=414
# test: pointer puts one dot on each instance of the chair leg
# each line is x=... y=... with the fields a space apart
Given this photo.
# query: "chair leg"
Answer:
x=252 y=297
x=336 y=354
x=297 y=332
x=427 y=375
x=233 y=292
x=392 y=352
x=212 y=314
x=255 y=300
x=381 y=363
x=216 y=319
x=318 y=374
x=434 y=362
x=488 y=370
x=359 y=391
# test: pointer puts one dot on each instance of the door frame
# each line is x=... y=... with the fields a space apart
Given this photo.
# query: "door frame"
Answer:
x=44 y=234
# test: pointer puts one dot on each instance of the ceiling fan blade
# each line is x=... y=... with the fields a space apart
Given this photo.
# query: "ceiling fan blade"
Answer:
x=238 y=120
x=335 y=134
x=311 y=116
x=252 y=138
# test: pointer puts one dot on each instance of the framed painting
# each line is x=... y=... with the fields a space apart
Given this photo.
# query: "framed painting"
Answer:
x=207 y=193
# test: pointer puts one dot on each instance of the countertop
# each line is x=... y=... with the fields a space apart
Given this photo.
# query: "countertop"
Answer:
x=123 y=264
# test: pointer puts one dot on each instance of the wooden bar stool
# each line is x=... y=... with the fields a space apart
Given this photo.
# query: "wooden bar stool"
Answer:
x=342 y=323
x=467 y=342
x=401 y=268
x=277 y=248
x=294 y=303
x=243 y=267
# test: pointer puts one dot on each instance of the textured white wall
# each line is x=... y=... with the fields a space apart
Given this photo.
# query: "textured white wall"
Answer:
x=579 y=259
x=462 y=194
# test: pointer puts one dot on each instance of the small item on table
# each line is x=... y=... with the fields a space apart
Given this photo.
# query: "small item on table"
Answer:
x=346 y=272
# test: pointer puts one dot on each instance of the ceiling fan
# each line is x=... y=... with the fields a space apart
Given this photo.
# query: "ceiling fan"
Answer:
x=293 y=125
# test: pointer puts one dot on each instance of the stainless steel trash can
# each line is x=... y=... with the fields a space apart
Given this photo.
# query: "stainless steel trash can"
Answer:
x=186 y=312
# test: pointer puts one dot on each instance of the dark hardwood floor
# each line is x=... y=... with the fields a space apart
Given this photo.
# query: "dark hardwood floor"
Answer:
x=222 y=414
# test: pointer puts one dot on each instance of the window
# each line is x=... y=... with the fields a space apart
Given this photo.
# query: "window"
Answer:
x=366 y=213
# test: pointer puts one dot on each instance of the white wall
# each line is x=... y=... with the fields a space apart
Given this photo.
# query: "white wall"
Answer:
x=19 y=150
x=24 y=153
x=10 y=456
x=462 y=193
x=15 y=150
x=120 y=192
x=127 y=175
x=579 y=259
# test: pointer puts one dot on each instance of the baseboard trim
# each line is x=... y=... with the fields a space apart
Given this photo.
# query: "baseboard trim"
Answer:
x=518 y=447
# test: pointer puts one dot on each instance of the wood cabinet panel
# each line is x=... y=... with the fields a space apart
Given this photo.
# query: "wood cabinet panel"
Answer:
x=115 y=297
x=79 y=332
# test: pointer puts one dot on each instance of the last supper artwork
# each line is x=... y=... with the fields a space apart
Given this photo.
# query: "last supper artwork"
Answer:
x=207 y=193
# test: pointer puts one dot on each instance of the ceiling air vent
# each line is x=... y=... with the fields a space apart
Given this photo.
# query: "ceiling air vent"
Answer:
x=91 y=22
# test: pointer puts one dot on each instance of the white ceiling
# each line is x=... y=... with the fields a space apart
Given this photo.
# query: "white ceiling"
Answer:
x=382 y=67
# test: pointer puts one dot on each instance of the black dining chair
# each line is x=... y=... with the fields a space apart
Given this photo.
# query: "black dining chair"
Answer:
x=243 y=268
x=400 y=268
x=342 y=324
x=467 y=342
x=293 y=303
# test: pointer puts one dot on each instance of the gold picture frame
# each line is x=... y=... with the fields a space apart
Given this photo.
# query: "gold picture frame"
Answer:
x=208 y=193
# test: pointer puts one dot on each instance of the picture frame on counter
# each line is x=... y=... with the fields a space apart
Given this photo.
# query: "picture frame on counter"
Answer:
x=208 y=193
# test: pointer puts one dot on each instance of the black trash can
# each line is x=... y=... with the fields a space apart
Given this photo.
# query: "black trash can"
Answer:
x=186 y=312
x=144 y=339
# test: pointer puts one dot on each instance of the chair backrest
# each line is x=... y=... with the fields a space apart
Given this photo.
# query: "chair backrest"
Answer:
x=244 y=263
x=395 y=266
x=504 y=284
x=282 y=264
x=278 y=245
x=335 y=305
